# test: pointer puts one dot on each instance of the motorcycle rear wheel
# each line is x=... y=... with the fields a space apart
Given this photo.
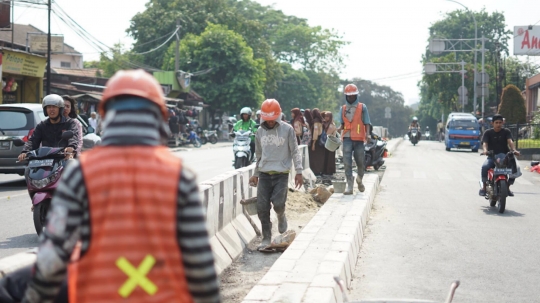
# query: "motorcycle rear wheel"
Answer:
x=40 y=215
x=503 y=193
x=213 y=139
x=196 y=143
x=204 y=140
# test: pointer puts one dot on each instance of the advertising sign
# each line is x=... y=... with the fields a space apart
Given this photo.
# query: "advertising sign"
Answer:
x=5 y=14
x=527 y=40
x=23 y=64
x=38 y=44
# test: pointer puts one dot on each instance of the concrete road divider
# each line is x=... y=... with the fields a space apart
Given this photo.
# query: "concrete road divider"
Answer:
x=16 y=261
x=328 y=246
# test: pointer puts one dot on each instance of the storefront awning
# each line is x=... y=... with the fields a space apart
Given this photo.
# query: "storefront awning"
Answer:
x=88 y=97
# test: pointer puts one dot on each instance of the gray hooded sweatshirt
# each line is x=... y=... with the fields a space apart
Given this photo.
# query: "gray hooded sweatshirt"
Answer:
x=276 y=149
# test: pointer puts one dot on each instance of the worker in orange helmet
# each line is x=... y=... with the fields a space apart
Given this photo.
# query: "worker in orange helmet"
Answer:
x=355 y=126
x=277 y=149
x=128 y=214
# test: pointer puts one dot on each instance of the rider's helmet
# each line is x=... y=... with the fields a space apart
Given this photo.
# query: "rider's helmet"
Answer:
x=258 y=112
x=270 y=110
x=415 y=119
x=427 y=127
x=245 y=110
x=53 y=100
x=350 y=89
x=136 y=83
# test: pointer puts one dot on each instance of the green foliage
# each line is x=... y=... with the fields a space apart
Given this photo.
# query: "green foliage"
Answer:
x=236 y=79
x=377 y=98
x=116 y=60
x=512 y=106
x=439 y=91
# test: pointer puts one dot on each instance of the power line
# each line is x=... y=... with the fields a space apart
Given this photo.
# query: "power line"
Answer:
x=156 y=48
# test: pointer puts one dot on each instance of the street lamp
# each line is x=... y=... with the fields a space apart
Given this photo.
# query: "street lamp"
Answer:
x=475 y=43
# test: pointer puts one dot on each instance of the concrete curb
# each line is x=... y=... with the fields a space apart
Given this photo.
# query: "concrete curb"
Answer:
x=328 y=246
x=17 y=261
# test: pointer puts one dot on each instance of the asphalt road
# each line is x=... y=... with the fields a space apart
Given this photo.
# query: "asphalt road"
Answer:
x=17 y=231
x=429 y=227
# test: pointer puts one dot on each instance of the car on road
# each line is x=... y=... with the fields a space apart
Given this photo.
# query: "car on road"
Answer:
x=18 y=121
x=462 y=132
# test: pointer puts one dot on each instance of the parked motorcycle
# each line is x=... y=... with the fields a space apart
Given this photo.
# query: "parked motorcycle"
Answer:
x=190 y=138
x=498 y=177
x=241 y=150
x=42 y=174
x=414 y=137
x=209 y=136
x=374 y=152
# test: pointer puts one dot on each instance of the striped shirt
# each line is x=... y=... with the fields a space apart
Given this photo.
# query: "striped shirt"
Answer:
x=69 y=221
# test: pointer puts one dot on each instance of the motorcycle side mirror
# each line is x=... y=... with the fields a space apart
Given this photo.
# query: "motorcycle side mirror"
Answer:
x=67 y=135
x=18 y=142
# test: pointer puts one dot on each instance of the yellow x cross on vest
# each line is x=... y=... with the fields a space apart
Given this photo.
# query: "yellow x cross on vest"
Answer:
x=137 y=276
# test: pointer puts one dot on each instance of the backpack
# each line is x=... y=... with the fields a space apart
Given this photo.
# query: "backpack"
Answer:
x=322 y=138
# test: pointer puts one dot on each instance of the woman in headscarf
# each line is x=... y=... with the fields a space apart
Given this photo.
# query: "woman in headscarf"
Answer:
x=316 y=156
x=329 y=156
x=308 y=121
x=297 y=123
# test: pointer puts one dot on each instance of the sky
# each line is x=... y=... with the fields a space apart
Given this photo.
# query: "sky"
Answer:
x=387 y=37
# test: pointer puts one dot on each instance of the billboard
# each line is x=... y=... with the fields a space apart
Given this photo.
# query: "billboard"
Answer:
x=527 y=40
x=38 y=44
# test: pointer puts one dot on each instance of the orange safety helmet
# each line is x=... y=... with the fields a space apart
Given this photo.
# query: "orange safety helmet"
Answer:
x=270 y=110
x=134 y=83
x=350 y=89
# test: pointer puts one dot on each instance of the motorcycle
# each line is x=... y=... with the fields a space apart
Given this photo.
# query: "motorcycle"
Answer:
x=241 y=149
x=374 y=152
x=498 y=177
x=190 y=138
x=414 y=137
x=209 y=136
x=427 y=135
x=42 y=175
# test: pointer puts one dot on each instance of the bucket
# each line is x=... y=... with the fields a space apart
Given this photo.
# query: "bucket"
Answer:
x=339 y=185
x=332 y=143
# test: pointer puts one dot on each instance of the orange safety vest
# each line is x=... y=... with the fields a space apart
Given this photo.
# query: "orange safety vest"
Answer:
x=133 y=254
x=356 y=127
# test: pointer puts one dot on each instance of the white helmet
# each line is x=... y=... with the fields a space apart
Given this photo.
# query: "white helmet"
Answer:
x=52 y=100
x=245 y=110
x=258 y=112
x=415 y=119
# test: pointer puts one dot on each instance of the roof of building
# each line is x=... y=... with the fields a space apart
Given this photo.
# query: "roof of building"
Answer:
x=86 y=72
x=19 y=36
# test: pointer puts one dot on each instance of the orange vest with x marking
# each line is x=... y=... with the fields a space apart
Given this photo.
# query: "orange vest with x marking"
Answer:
x=133 y=255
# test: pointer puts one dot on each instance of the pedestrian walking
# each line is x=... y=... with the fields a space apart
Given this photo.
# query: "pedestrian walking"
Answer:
x=276 y=150
x=316 y=149
x=133 y=207
x=330 y=128
x=355 y=123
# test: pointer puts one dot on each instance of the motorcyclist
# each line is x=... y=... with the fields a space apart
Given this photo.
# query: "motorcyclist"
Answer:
x=415 y=124
x=258 y=117
x=496 y=139
x=426 y=132
x=49 y=131
x=246 y=123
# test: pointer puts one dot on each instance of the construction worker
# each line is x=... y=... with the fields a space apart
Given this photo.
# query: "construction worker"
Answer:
x=133 y=207
x=276 y=150
x=355 y=126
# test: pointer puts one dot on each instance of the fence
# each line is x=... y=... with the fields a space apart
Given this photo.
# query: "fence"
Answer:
x=526 y=135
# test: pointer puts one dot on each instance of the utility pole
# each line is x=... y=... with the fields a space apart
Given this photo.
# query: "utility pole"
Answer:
x=484 y=80
x=177 y=53
x=48 y=90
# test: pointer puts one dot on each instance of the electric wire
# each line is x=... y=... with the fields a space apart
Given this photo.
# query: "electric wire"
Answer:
x=160 y=46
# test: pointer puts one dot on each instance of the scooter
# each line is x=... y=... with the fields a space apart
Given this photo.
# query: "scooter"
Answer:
x=42 y=174
x=190 y=137
x=427 y=135
x=209 y=136
x=241 y=149
x=414 y=136
x=498 y=177
x=374 y=152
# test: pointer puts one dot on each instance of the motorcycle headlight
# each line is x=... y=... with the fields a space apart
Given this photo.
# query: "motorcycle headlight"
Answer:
x=46 y=181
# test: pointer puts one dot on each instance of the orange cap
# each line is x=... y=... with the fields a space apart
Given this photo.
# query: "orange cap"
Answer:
x=350 y=89
x=270 y=110
x=134 y=83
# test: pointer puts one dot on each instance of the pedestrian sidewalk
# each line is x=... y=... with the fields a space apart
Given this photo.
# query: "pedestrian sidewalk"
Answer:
x=209 y=145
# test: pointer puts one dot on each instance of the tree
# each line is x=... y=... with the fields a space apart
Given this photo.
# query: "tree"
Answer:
x=439 y=91
x=236 y=79
x=512 y=106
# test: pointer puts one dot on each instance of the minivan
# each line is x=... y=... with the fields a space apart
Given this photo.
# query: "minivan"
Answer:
x=462 y=132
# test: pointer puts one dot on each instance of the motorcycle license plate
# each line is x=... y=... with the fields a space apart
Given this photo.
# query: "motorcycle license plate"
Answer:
x=502 y=171
x=41 y=163
x=4 y=144
x=465 y=143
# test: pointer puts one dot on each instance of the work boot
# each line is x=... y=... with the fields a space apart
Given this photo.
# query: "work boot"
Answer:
x=267 y=235
x=361 y=186
x=282 y=223
x=349 y=190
